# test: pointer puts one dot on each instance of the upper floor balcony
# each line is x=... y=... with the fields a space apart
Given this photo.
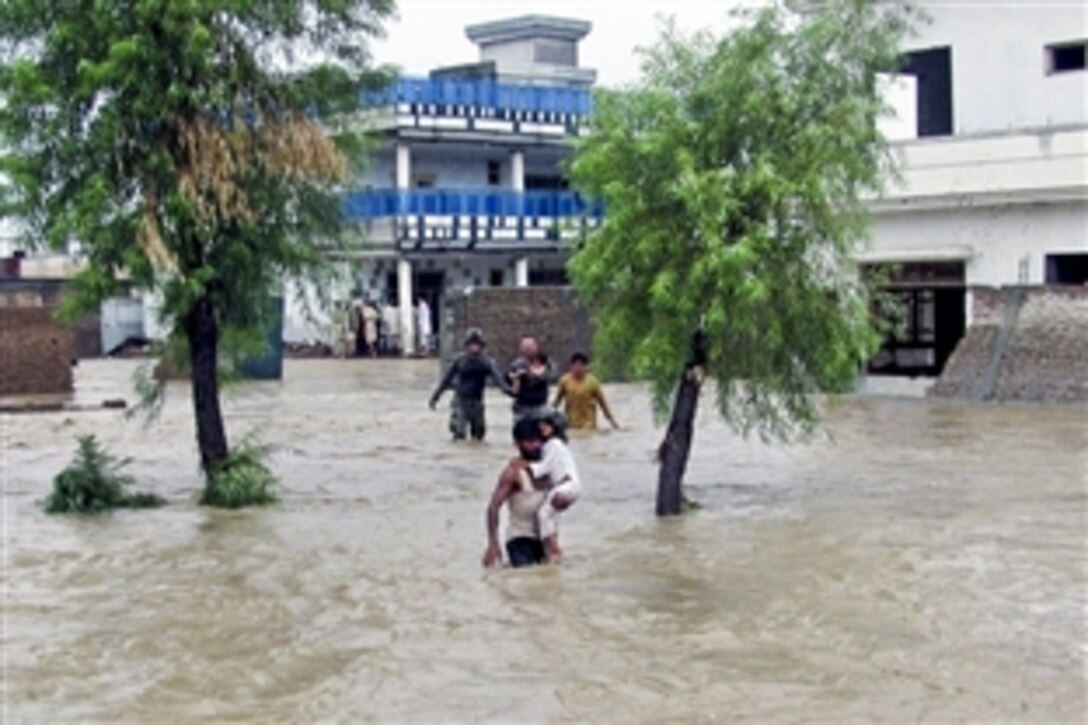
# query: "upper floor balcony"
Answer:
x=1018 y=167
x=466 y=220
x=478 y=105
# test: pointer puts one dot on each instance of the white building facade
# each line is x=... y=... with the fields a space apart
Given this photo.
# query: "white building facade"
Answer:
x=994 y=175
x=467 y=187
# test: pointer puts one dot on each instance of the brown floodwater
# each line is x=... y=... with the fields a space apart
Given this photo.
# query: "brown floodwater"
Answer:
x=923 y=562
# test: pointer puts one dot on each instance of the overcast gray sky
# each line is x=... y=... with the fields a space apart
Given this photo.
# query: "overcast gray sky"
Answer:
x=431 y=33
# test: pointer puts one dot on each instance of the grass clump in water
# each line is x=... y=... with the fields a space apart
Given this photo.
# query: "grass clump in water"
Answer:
x=93 y=483
x=241 y=480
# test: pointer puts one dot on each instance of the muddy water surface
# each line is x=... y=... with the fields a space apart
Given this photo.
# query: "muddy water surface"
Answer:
x=927 y=563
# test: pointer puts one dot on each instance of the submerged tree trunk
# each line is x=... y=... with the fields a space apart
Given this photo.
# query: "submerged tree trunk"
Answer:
x=674 y=450
x=202 y=331
x=676 y=447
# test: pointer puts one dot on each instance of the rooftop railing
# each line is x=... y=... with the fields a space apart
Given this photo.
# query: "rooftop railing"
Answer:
x=481 y=94
x=459 y=202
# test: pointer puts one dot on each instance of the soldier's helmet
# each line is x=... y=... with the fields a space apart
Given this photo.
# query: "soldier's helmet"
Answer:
x=475 y=337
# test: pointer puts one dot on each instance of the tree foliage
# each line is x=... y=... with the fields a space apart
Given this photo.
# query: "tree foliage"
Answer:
x=94 y=482
x=186 y=146
x=177 y=140
x=734 y=175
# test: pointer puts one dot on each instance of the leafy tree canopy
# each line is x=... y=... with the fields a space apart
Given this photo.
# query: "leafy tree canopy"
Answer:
x=179 y=141
x=734 y=175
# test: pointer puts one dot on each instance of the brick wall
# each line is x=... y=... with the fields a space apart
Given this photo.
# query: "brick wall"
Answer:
x=506 y=314
x=1024 y=344
x=36 y=352
x=48 y=293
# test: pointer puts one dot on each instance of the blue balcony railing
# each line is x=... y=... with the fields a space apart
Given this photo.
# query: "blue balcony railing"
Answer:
x=445 y=202
x=481 y=94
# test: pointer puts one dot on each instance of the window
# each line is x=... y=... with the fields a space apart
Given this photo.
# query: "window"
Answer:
x=1066 y=57
x=494 y=173
x=548 y=278
x=424 y=181
x=545 y=182
x=1067 y=269
x=498 y=277
x=932 y=70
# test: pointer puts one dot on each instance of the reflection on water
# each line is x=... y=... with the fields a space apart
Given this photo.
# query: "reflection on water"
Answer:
x=925 y=562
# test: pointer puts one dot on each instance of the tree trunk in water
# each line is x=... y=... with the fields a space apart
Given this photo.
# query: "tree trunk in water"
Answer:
x=202 y=330
x=674 y=450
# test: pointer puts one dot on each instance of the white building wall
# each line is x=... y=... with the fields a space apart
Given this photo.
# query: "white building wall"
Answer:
x=452 y=167
x=516 y=53
x=1000 y=245
x=458 y=169
x=999 y=71
x=307 y=317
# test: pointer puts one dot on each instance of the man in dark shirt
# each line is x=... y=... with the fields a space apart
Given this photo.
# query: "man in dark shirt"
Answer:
x=467 y=376
x=531 y=385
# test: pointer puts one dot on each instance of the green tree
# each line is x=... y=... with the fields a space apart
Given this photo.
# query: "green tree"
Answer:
x=180 y=143
x=734 y=175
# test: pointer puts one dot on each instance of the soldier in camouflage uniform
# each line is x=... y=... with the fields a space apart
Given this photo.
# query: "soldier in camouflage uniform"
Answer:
x=467 y=376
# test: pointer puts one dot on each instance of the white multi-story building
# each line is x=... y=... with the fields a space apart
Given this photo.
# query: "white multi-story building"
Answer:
x=467 y=187
x=994 y=187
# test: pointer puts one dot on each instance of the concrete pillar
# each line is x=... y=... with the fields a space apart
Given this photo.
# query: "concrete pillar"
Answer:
x=521 y=272
x=517 y=183
x=517 y=170
x=404 y=167
x=406 y=295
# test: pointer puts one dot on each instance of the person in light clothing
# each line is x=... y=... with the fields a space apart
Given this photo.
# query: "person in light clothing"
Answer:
x=391 y=325
x=424 y=326
x=556 y=470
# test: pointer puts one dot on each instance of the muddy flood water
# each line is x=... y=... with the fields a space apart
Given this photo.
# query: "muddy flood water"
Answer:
x=925 y=563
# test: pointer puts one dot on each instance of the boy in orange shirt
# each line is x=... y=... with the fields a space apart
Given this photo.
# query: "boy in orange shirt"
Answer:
x=582 y=393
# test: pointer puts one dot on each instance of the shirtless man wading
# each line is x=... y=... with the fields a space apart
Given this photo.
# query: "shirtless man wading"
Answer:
x=517 y=492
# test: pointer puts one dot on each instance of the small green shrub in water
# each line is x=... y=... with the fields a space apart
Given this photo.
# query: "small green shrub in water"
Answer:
x=93 y=482
x=241 y=480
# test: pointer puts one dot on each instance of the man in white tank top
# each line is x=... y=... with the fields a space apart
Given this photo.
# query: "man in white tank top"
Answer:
x=515 y=489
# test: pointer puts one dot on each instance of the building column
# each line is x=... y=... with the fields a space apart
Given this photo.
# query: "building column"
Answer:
x=405 y=293
x=517 y=170
x=406 y=297
x=404 y=167
x=521 y=272
x=517 y=183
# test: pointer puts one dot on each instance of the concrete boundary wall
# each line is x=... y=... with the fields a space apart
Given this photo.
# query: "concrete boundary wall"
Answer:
x=505 y=314
x=1024 y=344
x=36 y=352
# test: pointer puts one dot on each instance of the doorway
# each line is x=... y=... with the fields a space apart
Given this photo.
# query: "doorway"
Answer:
x=431 y=286
x=926 y=319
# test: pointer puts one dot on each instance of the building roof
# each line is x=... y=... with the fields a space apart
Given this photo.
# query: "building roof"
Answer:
x=528 y=26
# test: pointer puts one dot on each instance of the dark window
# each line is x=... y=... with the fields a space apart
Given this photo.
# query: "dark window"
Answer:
x=932 y=70
x=548 y=278
x=392 y=290
x=1067 y=57
x=1067 y=269
x=498 y=277
x=545 y=182
x=494 y=173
